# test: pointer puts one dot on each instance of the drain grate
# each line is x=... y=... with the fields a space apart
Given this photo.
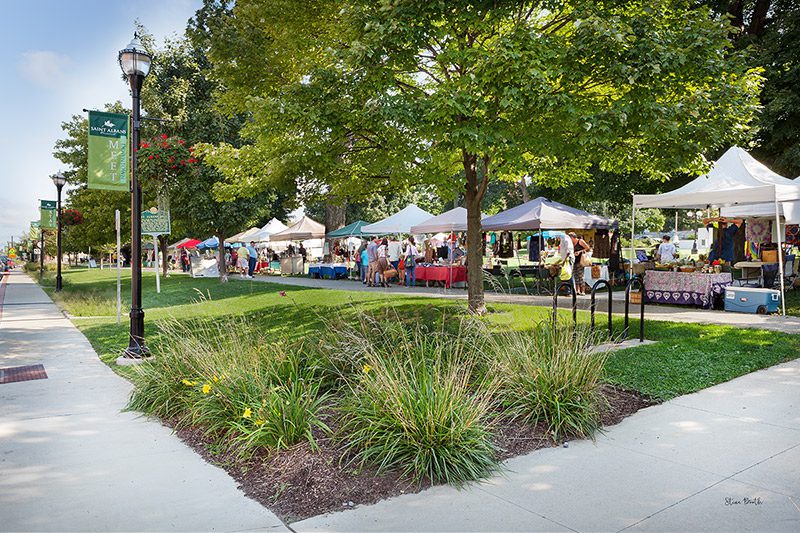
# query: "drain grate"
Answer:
x=22 y=373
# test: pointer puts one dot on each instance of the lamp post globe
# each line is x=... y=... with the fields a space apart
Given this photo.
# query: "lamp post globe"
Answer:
x=59 y=180
x=135 y=64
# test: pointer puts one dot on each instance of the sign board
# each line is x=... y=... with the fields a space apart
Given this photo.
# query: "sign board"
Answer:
x=157 y=223
x=47 y=212
x=109 y=154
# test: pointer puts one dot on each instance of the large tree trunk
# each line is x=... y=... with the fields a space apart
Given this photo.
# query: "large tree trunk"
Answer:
x=473 y=194
x=523 y=188
x=759 y=18
x=335 y=215
x=162 y=245
x=222 y=266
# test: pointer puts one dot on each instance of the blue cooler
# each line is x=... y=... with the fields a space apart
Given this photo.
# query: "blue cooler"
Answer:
x=752 y=300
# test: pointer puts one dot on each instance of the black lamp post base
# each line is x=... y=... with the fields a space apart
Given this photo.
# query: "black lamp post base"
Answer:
x=133 y=355
x=59 y=284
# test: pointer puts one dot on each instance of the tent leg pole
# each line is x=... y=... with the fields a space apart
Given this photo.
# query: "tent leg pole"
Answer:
x=633 y=232
x=780 y=256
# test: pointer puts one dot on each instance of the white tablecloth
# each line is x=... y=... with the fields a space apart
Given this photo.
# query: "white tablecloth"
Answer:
x=587 y=275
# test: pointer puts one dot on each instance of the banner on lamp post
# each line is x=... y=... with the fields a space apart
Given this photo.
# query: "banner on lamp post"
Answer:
x=47 y=215
x=109 y=154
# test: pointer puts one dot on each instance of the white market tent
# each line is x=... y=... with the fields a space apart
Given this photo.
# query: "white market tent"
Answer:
x=303 y=229
x=790 y=211
x=239 y=237
x=736 y=179
x=541 y=213
x=450 y=221
x=270 y=228
x=400 y=222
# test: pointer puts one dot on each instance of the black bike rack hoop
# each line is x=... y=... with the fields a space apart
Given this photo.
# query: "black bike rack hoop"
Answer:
x=636 y=280
x=599 y=284
x=567 y=285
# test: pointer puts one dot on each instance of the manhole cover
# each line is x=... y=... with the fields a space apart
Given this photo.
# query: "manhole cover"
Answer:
x=22 y=373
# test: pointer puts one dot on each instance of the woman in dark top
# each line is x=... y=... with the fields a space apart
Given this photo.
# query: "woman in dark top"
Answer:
x=577 y=272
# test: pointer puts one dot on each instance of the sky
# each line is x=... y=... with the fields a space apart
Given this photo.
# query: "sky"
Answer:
x=59 y=57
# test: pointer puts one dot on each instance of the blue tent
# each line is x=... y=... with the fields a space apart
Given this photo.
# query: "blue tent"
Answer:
x=212 y=243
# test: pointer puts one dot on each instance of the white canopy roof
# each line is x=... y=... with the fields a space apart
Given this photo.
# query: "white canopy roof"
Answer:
x=400 y=222
x=541 y=213
x=790 y=211
x=241 y=236
x=735 y=179
x=303 y=229
x=270 y=228
x=453 y=220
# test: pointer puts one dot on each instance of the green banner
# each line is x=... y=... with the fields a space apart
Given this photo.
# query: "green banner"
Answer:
x=156 y=223
x=47 y=213
x=108 y=151
x=35 y=224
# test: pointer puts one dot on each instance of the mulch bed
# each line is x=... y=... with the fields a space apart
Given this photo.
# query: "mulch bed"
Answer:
x=300 y=482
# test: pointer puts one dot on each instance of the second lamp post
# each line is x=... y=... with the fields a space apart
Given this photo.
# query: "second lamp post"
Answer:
x=59 y=180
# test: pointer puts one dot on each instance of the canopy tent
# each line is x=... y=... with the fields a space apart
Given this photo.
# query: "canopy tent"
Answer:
x=400 y=222
x=212 y=243
x=449 y=221
x=270 y=228
x=542 y=213
x=736 y=179
x=178 y=244
x=238 y=236
x=351 y=230
x=303 y=229
x=789 y=211
x=188 y=243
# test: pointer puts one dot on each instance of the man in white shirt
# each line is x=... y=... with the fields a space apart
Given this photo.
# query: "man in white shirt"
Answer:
x=566 y=250
x=666 y=251
x=395 y=249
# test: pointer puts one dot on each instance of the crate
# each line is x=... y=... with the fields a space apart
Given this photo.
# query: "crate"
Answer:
x=752 y=300
x=769 y=256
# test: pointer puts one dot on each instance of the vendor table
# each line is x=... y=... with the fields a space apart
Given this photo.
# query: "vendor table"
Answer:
x=328 y=270
x=684 y=288
x=752 y=272
x=447 y=274
x=589 y=280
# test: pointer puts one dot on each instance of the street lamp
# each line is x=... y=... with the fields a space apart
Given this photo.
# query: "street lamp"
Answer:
x=59 y=180
x=135 y=64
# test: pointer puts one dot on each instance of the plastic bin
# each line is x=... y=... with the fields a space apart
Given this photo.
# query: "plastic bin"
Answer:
x=752 y=300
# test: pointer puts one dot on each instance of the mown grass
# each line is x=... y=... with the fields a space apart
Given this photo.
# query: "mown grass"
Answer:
x=686 y=357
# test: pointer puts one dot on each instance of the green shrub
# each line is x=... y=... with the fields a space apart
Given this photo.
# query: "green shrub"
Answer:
x=552 y=375
x=244 y=390
x=413 y=406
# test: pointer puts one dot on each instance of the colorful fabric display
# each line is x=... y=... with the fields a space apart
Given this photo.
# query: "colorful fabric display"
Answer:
x=758 y=231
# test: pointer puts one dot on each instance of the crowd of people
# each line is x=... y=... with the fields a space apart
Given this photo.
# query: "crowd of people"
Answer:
x=384 y=260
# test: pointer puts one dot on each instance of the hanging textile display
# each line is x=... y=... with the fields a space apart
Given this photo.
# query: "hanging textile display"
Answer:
x=602 y=244
x=793 y=234
x=506 y=245
x=758 y=231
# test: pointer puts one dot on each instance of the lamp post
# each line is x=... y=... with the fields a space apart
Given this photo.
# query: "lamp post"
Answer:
x=59 y=180
x=135 y=64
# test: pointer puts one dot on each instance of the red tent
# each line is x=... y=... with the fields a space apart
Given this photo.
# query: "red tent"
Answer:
x=191 y=243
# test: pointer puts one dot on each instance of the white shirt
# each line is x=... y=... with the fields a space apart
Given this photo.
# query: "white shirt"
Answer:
x=566 y=249
x=411 y=250
x=666 y=250
x=394 y=250
x=381 y=251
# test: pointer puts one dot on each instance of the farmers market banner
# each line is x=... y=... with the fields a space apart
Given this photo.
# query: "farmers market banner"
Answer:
x=108 y=151
x=47 y=214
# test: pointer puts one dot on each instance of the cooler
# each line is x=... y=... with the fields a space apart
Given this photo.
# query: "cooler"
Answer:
x=752 y=300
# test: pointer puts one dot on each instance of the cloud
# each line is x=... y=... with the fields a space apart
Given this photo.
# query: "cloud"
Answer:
x=44 y=68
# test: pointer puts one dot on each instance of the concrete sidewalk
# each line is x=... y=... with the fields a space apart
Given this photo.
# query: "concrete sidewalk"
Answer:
x=724 y=459
x=786 y=324
x=71 y=461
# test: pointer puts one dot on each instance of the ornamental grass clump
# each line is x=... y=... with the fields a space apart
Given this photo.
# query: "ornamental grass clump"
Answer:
x=244 y=391
x=551 y=375
x=414 y=406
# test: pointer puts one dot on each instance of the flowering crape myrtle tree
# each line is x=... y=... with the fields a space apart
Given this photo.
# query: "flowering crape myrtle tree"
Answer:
x=347 y=91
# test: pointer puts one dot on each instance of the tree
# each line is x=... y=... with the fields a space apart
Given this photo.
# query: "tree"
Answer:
x=348 y=93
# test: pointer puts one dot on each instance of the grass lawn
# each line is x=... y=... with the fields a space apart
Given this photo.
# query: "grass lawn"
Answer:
x=686 y=358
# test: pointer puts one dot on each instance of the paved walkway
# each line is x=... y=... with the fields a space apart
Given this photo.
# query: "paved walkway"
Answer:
x=787 y=324
x=71 y=461
x=724 y=459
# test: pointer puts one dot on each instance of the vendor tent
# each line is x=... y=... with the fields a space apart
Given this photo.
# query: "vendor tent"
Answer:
x=303 y=229
x=270 y=228
x=736 y=179
x=212 y=243
x=400 y=222
x=178 y=244
x=542 y=213
x=789 y=211
x=188 y=243
x=351 y=230
x=453 y=220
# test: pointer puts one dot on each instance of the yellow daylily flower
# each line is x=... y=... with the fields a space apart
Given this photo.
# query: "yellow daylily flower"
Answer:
x=206 y=388
x=259 y=422
x=247 y=413
x=216 y=379
x=367 y=368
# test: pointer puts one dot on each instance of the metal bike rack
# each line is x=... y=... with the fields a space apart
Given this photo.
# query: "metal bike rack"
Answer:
x=568 y=285
x=593 y=306
x=634 y=281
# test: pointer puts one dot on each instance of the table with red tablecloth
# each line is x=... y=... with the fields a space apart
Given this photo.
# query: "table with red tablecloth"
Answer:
x=447 y=274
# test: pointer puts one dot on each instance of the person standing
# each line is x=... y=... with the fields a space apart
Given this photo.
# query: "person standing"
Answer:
x=364 y=264
x=395 y=249
x=383 y=261
x=581 y=249
x=302 y=252
x=252 y=256
x=566 y=253
x=242 y=261
x=411 y=262
x=666 y=251
x=372 y=262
